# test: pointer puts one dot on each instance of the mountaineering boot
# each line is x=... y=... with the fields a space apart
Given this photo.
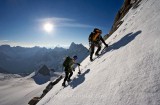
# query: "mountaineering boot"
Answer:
x=91 y=59
x=106 y=45
x=97 y=54
x=68 y=80
x=63 y=84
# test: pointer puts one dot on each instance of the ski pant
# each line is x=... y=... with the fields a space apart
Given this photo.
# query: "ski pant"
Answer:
x=92 y=49
x=68 y=74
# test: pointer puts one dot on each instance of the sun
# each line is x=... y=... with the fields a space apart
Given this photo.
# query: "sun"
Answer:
x=48 y=27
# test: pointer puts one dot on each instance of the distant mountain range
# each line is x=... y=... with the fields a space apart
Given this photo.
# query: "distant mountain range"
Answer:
x=3 y=70
x=26 y=60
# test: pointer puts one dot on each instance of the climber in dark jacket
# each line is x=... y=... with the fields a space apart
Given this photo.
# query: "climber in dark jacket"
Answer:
x=68 y=64
x=95 y=40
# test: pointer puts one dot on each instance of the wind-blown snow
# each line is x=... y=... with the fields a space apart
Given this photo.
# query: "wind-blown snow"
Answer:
x=127 y=74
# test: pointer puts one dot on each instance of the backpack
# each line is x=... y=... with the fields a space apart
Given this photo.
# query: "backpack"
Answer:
x=67 y=61
x=93 y=36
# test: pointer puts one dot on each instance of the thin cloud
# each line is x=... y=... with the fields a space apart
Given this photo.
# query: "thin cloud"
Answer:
x=64 y=22
x=31 y=44
x=4 y=40
x=56 y=19
x=15 y=43
x=74 y=25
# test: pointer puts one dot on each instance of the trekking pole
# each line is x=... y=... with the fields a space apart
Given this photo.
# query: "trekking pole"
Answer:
x=89 y=50
x=79 y=70
x=62 y=70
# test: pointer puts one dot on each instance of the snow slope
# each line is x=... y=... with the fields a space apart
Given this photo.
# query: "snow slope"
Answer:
x=127 y=74
x=16 y=90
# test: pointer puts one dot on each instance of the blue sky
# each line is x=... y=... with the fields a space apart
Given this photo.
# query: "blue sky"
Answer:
x=22 y=21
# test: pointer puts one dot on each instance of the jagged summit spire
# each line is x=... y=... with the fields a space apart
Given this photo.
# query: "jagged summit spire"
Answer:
x=44 y=70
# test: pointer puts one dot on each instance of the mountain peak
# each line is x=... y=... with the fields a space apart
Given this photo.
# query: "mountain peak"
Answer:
x=58 y=48
x=74 y=46
x=44 y=70
x=6 y=45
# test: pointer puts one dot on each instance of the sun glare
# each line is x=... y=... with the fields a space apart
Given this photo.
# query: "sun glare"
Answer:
x=48 y=27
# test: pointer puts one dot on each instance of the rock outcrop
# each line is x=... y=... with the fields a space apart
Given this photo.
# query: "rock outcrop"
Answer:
x=35 y=100
x=121 y=13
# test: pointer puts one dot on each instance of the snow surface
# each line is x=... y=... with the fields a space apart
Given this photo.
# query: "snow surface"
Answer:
x=127 y=74
x=16 y=90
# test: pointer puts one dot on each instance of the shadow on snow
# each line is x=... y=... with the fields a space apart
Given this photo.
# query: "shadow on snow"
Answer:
x=41 y=79
x=124 y=41
x=79 y=80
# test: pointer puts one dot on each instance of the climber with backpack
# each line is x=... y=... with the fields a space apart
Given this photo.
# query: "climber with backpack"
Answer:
x=95 y=40
x=68 y=64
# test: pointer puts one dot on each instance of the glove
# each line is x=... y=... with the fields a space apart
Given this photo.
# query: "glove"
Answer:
x=78 y=64
x=73 y=69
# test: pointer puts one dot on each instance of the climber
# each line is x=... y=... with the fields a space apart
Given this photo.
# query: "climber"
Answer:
x=95 y=40
x=68 y=64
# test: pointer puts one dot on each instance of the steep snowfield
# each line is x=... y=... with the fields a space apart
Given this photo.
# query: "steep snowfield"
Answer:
x=15 y=90
x=127 y=74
